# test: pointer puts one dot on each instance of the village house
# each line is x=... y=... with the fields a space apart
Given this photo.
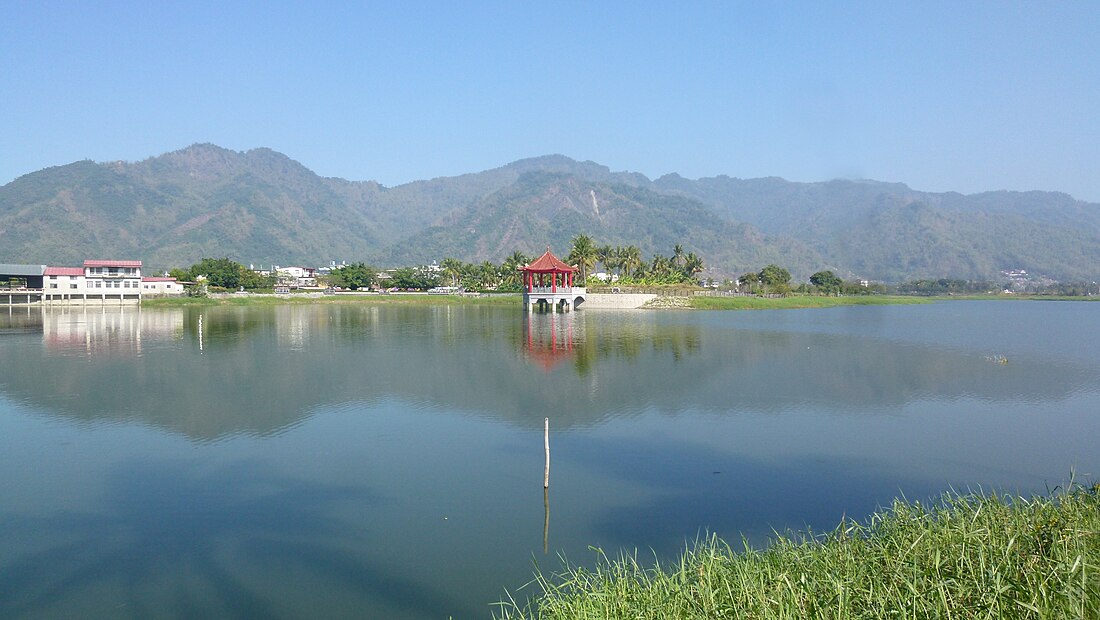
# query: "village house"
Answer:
x=156 y=286
x=297 y=276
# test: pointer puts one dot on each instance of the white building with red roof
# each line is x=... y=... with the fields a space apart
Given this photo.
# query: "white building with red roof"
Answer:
x=160 y=286
x=113 y=279
x=63 y=283
x=104 y=281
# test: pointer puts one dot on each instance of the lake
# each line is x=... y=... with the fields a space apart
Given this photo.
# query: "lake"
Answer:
x=353 y=461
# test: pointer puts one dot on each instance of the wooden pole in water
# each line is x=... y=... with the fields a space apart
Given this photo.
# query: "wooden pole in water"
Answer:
x=546 y=442
x=545 y=520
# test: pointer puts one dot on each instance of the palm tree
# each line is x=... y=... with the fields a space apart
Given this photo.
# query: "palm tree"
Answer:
x=605 y=255
x=678 y=255
x=692 y=265
x=630 y=258
x=583 y=254
x=489 y=275
x=452 y=267
x=660 y=267
x=509 y=270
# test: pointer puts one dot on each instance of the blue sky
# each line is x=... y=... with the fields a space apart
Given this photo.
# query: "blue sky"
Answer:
x=953 y=96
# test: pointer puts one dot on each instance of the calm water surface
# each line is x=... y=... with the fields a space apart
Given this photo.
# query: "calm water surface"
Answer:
x=386 y=461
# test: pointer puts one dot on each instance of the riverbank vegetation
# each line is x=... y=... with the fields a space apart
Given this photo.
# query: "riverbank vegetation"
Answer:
x=625 y=266
x=622 y=268
x=966 y=556
x=373 y=298
x=753 y=302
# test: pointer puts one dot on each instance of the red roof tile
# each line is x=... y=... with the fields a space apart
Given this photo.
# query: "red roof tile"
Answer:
x=547 y=263
x=64 y=271
x=112 y=263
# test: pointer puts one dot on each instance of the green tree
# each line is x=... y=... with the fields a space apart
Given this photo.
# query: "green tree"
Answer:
x=660 y=268
x=605 y=256
x=182 y=275
x=511 y=278
x=583 y=255
x=692 y=265
x=452 y=267
x=678 y=257
x=488 y=275
x=219 y=272
x=774 y=276
x=420 y=278
x=630 y=260
x=354 y=276
x=827 y=282
x=252 y=280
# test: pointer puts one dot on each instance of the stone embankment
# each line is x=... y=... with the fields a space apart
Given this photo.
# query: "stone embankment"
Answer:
x=616 y=301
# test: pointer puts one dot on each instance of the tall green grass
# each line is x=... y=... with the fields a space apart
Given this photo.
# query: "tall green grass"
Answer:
x=967 y=556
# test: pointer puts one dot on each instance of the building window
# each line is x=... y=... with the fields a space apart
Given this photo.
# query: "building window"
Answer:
x=98 y=283
x=72 y=285
x=53 y=277
x=53 y=284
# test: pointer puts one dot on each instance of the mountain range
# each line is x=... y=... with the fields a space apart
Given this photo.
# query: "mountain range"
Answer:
x=261 y=207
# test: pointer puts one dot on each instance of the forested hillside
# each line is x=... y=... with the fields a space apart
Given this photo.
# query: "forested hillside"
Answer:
x=260 y=206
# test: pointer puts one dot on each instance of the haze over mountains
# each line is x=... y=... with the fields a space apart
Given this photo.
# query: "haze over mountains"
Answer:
x=260 y=206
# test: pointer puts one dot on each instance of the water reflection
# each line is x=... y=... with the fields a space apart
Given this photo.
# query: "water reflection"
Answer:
x=23 y=319
x=262 y=370
x=585 y=339
x=550 y=338
x=207 y=536
x=385 y=461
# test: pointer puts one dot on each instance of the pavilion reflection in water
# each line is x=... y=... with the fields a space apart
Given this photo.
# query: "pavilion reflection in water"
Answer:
x=550 y=339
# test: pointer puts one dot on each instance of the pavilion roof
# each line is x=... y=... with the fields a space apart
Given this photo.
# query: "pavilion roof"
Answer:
x=548 y=263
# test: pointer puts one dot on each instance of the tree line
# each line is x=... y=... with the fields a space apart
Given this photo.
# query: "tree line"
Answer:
x=222 y=273
x=625 y=265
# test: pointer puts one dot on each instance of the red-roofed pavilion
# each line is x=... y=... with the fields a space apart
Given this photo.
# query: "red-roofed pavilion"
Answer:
x=549 y=282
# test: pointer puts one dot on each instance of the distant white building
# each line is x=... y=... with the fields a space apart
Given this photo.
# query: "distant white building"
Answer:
x=161 y=286
x=297 y=276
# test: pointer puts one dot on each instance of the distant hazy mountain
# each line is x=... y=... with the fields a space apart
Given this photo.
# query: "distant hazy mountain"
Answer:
x=260 y=206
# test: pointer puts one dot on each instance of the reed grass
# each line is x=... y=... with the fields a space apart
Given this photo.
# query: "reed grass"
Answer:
x=967 y=556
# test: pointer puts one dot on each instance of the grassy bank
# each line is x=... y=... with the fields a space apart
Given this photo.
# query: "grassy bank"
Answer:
x=968 y=556
x=800 y=301
x=272 y=300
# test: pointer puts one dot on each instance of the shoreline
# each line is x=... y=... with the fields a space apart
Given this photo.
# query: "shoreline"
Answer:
x=507 y=299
